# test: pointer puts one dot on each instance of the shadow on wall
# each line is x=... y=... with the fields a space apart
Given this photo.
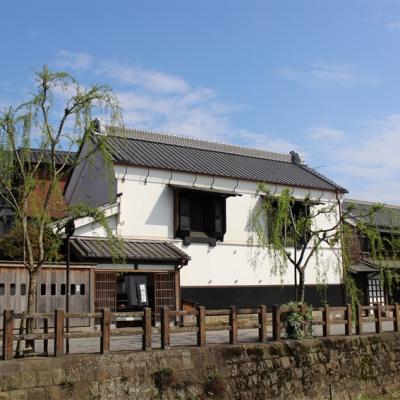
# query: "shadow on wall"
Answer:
x=162 y=214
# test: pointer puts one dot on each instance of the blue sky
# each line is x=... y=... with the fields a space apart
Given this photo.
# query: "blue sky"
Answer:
x=319 y=77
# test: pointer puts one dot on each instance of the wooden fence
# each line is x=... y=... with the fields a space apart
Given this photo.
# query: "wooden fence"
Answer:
x=272 y=318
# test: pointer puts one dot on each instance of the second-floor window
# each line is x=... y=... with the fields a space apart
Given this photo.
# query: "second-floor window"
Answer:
x=295 y=229
x=199 y=217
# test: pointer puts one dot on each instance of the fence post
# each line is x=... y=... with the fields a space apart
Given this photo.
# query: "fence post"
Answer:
x=58 y=332
x=233 y=333
x=349 y=317
x=146 y=338
x=359 y=322
x=8 y=334
x=262 y=321
x=276 y=322
x=46 y=332
x=327 y=321
x=303 y=309
x=378 y=317
x=396 y=324
x=165 y=329
x=201 y=326
x=105 y=330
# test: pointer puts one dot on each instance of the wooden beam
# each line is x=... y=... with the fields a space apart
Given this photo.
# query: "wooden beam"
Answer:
x=378 y=317
x=165 y=329
x=233 y=333
x=359 y=322
x=349 y=318
x=396 y=322
x=201 y=326
x=105 y=330
x=59 y=333
x=146 y=321
x=8 y=334
x=276 y=322
x=262 y=321
x=327 y=321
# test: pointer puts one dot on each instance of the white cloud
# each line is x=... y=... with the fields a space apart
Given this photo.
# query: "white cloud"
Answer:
x=393 y=25
x=150 y=79
x=366 y=160
x=321 y=74
x=266 y=142
x=325 y=132
x=73 y=60
x=159 y=101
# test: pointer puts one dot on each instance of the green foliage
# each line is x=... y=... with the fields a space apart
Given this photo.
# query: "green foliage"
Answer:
x=58 y=116
x=295 y=320
x=12 y=244
x=286 y=228
x=214 y=386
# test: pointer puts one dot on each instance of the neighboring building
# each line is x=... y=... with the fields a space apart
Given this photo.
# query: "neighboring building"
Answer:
x=364 y=267
x=14 y=278
x=57 y=208
x=181 y=207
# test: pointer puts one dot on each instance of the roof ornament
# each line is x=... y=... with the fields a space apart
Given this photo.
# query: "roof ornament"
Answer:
x=96 y=125
x=297 y=158
x=212 y=183
x=195 y=179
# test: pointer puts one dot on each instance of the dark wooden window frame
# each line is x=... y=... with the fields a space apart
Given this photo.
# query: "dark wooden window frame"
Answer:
x=214 y=229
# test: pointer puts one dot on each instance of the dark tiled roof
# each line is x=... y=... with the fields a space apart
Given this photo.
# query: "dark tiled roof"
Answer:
x=202 y=144
x=92 y=248
x=60 y=156
x=388 y=217
x=202 y=157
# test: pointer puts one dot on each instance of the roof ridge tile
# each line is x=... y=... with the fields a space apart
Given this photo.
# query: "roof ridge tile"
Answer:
x=198 y=143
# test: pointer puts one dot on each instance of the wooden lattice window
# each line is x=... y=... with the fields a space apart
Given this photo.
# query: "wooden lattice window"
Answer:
x=376 y=292
x=164 y=292
x=105 y=296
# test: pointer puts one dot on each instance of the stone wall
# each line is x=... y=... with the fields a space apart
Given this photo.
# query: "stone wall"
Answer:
x=326 y=368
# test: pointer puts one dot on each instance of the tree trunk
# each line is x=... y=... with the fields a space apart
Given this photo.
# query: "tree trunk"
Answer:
x=31 y=307
x=301 y=287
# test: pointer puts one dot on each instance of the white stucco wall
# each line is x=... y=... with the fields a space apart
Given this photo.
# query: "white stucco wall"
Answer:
x=146 y=212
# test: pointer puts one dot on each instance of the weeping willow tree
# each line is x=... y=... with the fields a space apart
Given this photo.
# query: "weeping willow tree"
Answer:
x=294 y=231
x=377 y=228
x=56 y=120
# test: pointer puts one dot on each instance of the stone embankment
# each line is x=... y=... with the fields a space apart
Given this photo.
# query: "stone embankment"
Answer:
x=326 y=368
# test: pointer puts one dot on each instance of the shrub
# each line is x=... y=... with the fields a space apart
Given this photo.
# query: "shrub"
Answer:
x=214 y=386
x=294 y=321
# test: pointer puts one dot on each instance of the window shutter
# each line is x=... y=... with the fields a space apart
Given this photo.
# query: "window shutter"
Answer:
x=219 y=219
x=184 y=216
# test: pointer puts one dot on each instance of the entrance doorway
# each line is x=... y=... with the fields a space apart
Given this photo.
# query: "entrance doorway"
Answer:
x=117 y=291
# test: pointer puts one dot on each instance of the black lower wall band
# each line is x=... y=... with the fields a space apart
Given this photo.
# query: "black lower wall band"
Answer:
x=253 y=296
